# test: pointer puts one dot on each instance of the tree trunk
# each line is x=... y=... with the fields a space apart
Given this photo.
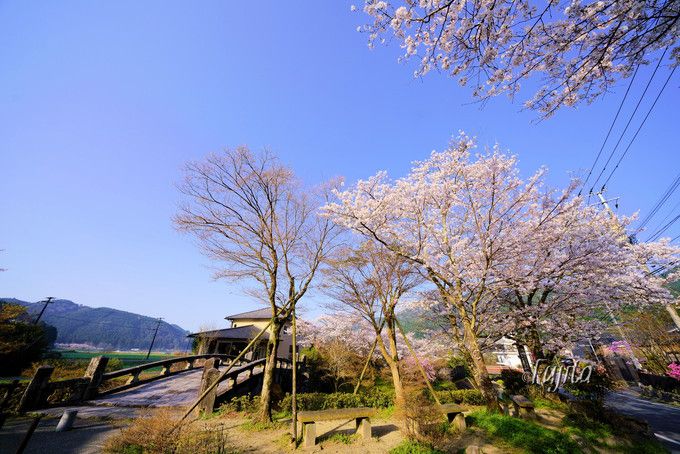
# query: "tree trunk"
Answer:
x=534 y=343
x=479 y=367
x=391 y=357
x=265 y=413
x=399 y=398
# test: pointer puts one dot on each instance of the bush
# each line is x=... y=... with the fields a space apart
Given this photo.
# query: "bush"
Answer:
x=513 y=382
x=461 y=396
x=245 y=404
x=320 y=401
x=150 y=435
x=595 y=389
x=413 y=447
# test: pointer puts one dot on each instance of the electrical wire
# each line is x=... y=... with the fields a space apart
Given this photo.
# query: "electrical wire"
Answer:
x=630 y=119
x=611 y=127
x=639 y=128
x=664 y=197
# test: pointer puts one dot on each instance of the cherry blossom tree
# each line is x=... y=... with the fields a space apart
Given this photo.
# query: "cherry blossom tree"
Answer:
x=343 y=341
x=250 y=214
x=453 y=217
x=369 y=281
x=575 y=262
x=577 y=48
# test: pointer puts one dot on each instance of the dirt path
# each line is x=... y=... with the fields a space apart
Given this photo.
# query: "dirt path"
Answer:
x=245 y=439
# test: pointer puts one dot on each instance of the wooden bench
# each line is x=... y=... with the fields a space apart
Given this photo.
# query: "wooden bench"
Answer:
x=524 y=408
x=309 y=419
x=454 y=414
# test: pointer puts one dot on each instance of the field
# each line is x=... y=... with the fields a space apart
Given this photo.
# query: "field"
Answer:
x=128 y=359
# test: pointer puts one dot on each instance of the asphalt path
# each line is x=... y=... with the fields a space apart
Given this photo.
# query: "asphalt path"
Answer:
x=663 y=419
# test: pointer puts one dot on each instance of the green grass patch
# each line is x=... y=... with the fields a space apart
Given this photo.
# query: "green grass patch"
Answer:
x=385 y=413
x=413 y=447
x=526 y=435
x=259 y=426
x=542 y=402
x=340 y=438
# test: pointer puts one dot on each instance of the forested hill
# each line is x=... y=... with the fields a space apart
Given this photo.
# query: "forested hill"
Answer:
x=106 y=328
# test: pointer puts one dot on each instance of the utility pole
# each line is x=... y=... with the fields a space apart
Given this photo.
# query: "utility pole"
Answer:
x=48 y=300
x=669 y=307
x=294 y=383
x=153 y=339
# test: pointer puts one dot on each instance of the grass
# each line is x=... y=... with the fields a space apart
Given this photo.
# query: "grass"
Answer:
x=542 y=402
x=259 y=426
x=595 y=433
x=385 y=413
x=340 y=438
x=413 y=447
x=526 y=435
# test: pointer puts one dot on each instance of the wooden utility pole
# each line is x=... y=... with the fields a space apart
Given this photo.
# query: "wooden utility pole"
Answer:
x=153 y=339
x=47 y=301
x=294 y=387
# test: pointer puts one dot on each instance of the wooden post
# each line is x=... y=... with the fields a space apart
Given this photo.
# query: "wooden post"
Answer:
x=368 y=360
x=34 y=394
x=95 y=372
x=29 y=433
x=294 y=385
x=207 y=403
x=420 y=366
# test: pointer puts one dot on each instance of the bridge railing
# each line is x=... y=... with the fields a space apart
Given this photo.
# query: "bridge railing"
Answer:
x=43 y=392
x=109 y=382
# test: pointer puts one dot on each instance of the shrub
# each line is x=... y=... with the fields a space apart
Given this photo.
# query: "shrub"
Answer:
x=595 y=389
x=460 y=366
x=413 y=447
x=461 y=396
x=245 y=404
x=150 y=435
x=319 y=401
x=513 y=382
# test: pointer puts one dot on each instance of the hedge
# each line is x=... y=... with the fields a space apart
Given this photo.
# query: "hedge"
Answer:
x=374 y=398
x=321 y=401
x=461 y=396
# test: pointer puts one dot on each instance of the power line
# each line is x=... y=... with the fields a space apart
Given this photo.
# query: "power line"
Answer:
x=655 y=236
x=664 y=197
x=630 y=119
x=597 y=158
x=639 y=128
x=672 y=210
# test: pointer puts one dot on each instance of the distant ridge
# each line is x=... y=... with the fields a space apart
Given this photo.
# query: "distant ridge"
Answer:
x=106 y=328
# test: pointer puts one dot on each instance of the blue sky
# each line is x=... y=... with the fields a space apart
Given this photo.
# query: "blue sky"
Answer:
x=102 y=103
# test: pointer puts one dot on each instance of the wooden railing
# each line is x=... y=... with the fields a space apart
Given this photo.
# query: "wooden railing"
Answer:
x=165 y=365
x=41 y=392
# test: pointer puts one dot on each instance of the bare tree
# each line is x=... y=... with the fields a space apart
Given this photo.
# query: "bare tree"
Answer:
x=250 y=214
x=370 y=281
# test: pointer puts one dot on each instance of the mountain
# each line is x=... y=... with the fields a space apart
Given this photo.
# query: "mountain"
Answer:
x=104 y=327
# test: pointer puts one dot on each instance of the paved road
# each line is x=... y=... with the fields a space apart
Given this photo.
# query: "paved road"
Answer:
x=663 y=419
x=94 y=422
x=86 y=437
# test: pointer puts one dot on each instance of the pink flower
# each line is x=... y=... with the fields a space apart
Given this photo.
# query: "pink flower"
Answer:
x=674 y=370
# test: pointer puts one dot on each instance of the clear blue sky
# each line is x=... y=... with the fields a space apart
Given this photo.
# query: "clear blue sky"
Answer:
x=102 y=102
